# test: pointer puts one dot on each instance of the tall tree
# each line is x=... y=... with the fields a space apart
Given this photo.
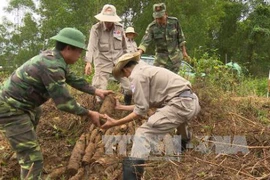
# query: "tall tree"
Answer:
x=226 y=37
x=238 y=28
x=255 y=35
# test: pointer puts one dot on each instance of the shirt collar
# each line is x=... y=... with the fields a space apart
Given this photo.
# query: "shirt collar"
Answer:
x=104 y=27
x=59 y=56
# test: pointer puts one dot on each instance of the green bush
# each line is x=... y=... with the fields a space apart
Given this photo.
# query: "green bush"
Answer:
x=78 y=69
x=225 y=80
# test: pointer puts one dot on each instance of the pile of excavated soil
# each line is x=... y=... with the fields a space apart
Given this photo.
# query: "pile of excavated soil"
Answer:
x=230 y=141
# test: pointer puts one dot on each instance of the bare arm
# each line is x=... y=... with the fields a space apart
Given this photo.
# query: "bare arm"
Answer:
x=120 y=106
x=184 y=51
x=112 y=122
x=92 y=46
x=95 y=117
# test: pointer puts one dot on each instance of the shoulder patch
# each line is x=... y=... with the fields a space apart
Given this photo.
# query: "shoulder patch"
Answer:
x=152 y=24
x=174 y=18
x=132 y=87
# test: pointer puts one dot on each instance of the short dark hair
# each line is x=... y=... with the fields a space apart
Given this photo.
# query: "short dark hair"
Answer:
x=130 y=63
x=60 y=46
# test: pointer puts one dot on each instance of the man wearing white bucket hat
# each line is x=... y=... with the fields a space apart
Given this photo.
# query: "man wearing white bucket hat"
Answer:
x=131 y=44
x=107 y=43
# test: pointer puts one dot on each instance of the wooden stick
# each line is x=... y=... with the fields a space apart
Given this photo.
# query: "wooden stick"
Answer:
x=30 y=170
x=243 y=118
x=240 y=172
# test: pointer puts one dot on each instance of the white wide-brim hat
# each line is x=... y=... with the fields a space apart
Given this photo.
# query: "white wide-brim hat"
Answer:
x=131 y=30
x=108 y=14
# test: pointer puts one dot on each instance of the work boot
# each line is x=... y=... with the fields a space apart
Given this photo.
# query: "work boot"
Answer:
x=186 y=136
x=184 y=144
x=132 y=169
x=127 y=99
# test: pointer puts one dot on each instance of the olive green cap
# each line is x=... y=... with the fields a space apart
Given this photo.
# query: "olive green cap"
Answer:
x=71 y=36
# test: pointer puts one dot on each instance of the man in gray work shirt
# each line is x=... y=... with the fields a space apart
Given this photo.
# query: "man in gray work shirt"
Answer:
x=153 y=87
x=106 y=44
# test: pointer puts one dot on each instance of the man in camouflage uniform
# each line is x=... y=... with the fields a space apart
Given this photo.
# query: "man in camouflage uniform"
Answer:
x=106 y=44
x=32 y=84
x=168 y=37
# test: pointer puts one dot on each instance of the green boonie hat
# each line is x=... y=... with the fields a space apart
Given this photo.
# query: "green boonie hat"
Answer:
x=159 y=10
x=71 y=36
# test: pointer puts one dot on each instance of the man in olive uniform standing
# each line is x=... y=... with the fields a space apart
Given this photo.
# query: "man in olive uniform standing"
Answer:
x=32 y=84
x=106 y=44
x=153 y=87
x=167 y=35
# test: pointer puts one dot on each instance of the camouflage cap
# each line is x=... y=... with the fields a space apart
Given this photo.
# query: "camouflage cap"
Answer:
x=159 y=10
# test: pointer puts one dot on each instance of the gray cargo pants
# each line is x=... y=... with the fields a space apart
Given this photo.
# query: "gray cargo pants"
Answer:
x=176 y=114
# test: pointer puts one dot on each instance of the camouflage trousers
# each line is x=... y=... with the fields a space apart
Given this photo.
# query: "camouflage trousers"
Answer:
x=19 y=128
x=172 y=67
x=163 y=60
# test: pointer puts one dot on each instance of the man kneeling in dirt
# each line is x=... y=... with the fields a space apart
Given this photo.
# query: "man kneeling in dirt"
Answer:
x=40 y=78
x=158 y=88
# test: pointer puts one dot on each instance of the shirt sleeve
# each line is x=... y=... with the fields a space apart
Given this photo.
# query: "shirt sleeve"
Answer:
x=140 y=90
x=92 y=45
x=79 y=83
x=135 y=45
x=147 y=38
x=55 y=82
x=181 y=36
x=124 y=42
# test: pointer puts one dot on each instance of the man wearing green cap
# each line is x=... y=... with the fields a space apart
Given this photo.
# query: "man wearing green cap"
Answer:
x=32 y=84
x=167 y=35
